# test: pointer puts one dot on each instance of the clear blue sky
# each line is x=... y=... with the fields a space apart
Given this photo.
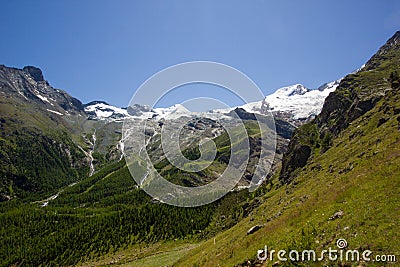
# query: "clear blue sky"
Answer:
x=104 y=50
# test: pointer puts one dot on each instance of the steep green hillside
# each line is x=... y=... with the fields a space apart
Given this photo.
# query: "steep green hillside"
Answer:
x=356 y=94
x=346 y=185
x=37 y=152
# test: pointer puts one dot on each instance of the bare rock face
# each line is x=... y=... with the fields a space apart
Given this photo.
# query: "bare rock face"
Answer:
x=28 y=85
x=345 y=105
x=296 y=157
x=36 y=73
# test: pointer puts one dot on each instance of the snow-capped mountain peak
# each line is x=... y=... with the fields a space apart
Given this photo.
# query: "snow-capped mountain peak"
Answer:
x=176 y=110
x=102 y=110
x=297 y=89
x=299 y=103
x=295 y=103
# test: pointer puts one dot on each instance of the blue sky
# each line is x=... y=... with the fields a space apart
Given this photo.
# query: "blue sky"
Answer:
x=104 y=50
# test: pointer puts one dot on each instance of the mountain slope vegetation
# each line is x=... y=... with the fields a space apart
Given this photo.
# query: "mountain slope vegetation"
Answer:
x=345 y=186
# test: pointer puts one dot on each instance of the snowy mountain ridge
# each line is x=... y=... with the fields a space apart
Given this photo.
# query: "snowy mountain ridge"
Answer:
x=295 y=102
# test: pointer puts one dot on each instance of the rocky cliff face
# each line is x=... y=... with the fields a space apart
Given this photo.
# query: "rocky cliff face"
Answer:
x=36 y=73
x=356 y=94
x=29 y=85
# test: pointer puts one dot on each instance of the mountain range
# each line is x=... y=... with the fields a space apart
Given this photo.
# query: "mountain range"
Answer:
x=30 y=103
x=295 y=103
x=67 y=196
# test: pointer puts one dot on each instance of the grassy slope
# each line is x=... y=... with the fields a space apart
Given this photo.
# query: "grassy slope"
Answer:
x=359 y=175
x=148 y=255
